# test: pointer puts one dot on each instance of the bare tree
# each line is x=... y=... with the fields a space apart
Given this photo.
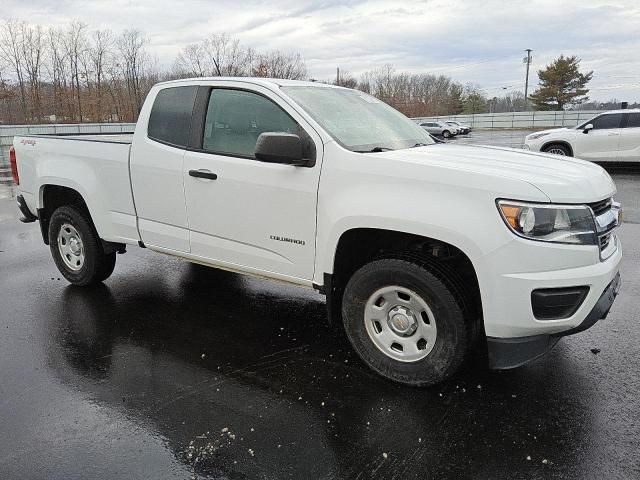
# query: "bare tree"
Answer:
x=33 y=52
x=57 y=68
x=74 y=42
x=192 y=61
x=278 y=64
x=6 y=95
x=100 y=52
x=10 y=51
x=131 y=46
x=225 y=55
x=346 y=79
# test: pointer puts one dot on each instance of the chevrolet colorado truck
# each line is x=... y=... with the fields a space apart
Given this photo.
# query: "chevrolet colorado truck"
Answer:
x=422 y=249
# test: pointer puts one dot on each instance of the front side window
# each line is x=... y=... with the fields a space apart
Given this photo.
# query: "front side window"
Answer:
x=236 y=118
x=634 y=120
x=170 y=118
x=607 y=121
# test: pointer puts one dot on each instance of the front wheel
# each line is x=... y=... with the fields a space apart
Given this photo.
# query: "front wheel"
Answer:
x=404 y=322
x=558 y=149
x=446 y=134
x=77 y=249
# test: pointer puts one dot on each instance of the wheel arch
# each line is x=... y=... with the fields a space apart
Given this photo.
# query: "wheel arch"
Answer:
x=357 y=246
x=53 y=196
x=564 y=143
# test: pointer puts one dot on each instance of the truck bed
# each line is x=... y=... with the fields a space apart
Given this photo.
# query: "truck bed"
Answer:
x=94 y=165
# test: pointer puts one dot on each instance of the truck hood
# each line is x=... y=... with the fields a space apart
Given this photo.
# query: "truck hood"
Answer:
x=561 y=179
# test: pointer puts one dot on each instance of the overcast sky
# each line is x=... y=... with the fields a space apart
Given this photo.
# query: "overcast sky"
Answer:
x=479 y=41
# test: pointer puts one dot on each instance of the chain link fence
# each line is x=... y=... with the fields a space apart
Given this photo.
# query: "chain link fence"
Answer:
x=519 y=120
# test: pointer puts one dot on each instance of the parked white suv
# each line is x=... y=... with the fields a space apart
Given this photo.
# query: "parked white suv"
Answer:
x=422 y=248
x=610 y=137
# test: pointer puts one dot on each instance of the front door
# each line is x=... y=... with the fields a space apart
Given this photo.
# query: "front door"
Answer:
x=244 y=213
x=601 y=143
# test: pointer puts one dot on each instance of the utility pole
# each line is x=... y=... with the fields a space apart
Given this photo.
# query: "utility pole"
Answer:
x=338 y=76
x=527 y=60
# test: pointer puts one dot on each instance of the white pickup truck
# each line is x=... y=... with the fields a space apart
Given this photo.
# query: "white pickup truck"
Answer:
x=421 y=248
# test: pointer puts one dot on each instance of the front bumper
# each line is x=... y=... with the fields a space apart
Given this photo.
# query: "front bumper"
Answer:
x=505 y=353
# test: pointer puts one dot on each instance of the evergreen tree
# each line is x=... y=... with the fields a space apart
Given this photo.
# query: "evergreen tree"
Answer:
x=561 y=84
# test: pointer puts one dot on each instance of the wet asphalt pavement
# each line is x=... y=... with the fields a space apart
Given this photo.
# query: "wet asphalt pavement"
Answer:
x=171 y=370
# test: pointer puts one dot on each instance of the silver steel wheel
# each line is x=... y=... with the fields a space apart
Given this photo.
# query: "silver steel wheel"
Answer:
x=71 y=247
x=556 y=151
x=400 y=324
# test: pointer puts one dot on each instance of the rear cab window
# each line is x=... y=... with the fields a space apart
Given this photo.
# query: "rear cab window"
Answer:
x=170 y=118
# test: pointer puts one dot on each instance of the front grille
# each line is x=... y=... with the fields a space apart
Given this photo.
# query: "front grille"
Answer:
x=607 y=219
x=600 y=207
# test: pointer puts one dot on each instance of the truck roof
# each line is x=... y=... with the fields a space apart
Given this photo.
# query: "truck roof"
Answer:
x=268 y=82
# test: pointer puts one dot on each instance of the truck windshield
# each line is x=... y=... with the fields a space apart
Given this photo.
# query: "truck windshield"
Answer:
x=357 y=121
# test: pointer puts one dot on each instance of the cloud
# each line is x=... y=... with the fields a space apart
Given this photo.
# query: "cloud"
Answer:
x=479 y=41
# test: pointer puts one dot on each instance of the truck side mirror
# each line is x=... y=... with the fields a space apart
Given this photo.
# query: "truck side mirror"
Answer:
x=280 y=147
x=588 y=127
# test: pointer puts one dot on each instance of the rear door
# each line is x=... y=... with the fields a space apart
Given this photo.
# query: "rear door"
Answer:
x=600 y=144
x=629 y=150
x=253 y=215
x=156 y=170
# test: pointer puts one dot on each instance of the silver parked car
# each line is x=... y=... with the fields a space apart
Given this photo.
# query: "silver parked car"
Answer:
x=440 y=129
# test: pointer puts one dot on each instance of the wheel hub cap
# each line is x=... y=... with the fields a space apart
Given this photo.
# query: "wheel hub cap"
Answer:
x=402 y=321
x=71 y=247
x=74 y=246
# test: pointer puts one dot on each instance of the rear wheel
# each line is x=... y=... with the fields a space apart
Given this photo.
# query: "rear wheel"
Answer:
x=77 y=249
x=404 y=322
x=558 y=149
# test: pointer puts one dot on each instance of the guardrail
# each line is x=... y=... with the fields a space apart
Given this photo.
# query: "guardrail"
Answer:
x=519 y=120
x=7 y=132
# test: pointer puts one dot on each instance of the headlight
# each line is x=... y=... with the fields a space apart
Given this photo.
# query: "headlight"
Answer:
x=572 y=224
x=533 y=136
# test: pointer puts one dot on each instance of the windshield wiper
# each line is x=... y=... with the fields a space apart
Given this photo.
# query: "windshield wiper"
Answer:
x=375 y=150
x=421 y=145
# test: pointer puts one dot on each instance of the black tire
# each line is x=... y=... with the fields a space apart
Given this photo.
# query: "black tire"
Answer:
x=557 y=149
x=446 y=134
x=97 y=265
x=453 y=337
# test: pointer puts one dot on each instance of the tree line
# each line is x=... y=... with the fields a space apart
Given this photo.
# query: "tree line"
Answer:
x=72 y=74
x=75 y=74
x=78 y=74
